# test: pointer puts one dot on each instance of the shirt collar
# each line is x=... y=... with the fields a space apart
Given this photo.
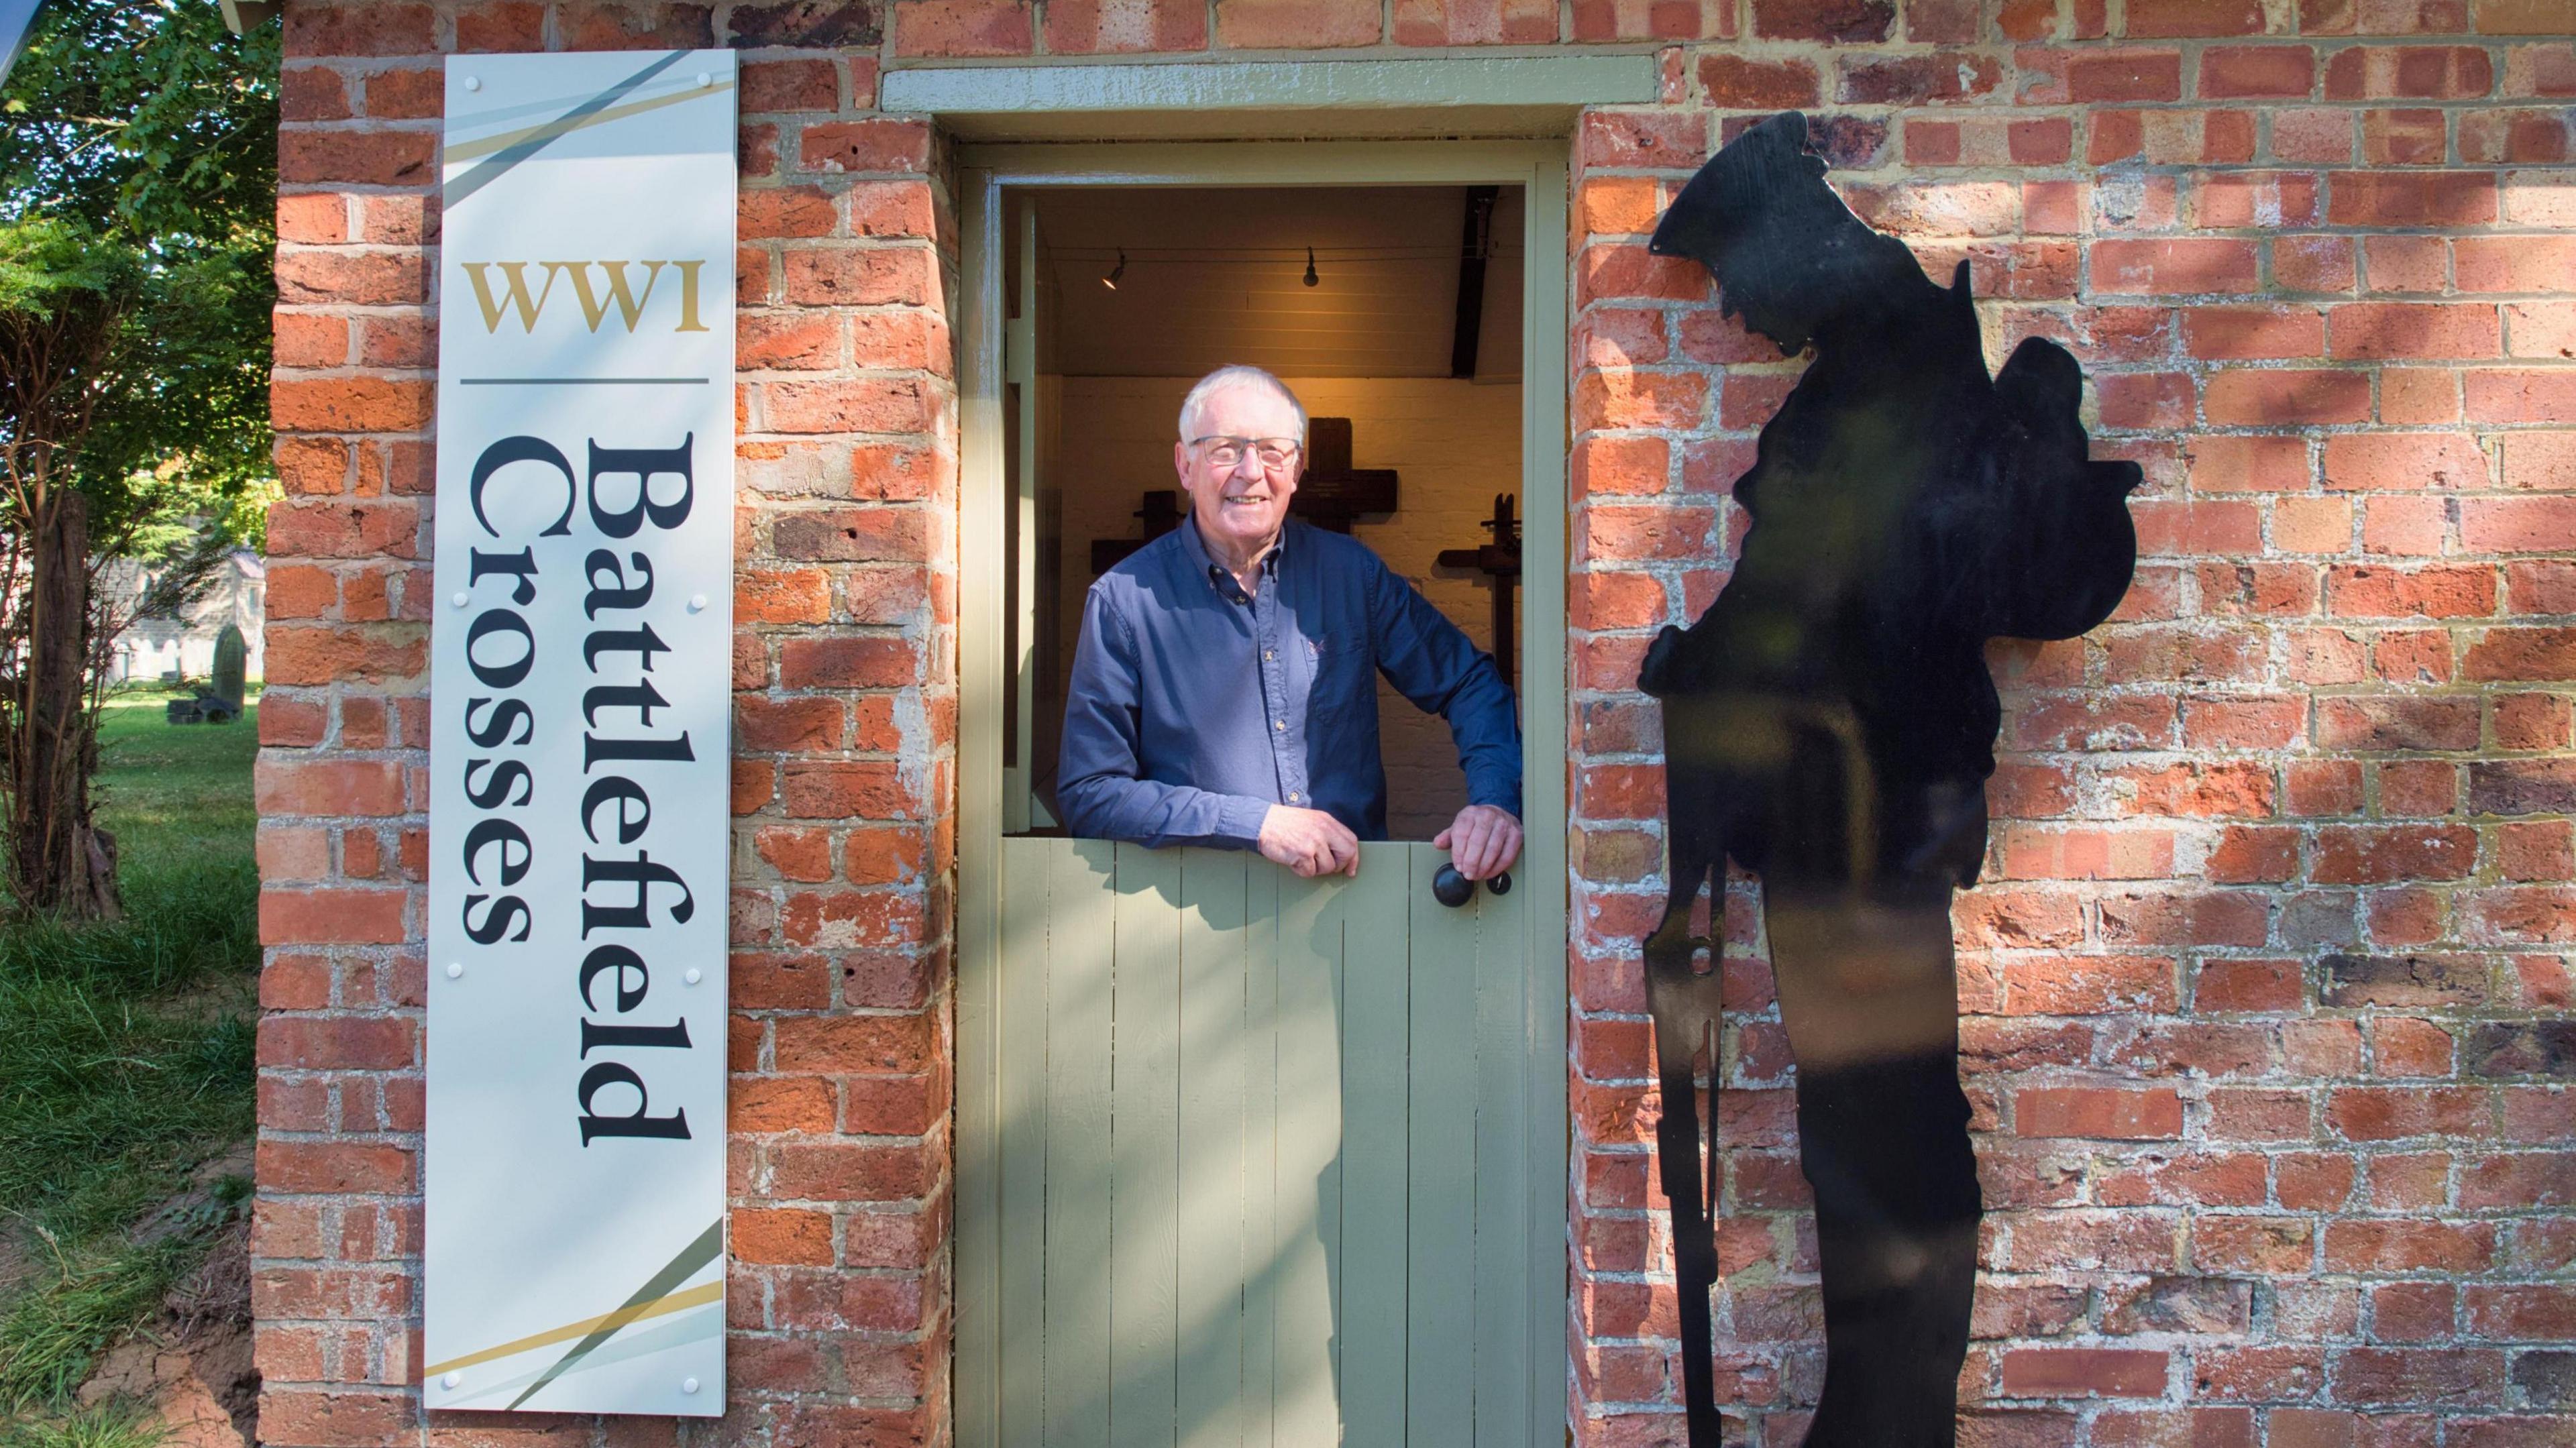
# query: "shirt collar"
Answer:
x=1206 y=563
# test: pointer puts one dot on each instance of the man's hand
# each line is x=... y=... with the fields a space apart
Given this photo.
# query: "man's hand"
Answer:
x=1482 y=841
x=1313 y=843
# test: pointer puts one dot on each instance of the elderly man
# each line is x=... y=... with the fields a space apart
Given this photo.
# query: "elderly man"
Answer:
x=1225 y=688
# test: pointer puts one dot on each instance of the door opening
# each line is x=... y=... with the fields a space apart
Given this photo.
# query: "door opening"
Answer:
x=1243 y=1156
x=1394 y=314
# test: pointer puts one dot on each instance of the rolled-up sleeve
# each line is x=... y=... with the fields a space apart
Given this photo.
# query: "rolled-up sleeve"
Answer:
x=1432 y=662
x=1101 y=786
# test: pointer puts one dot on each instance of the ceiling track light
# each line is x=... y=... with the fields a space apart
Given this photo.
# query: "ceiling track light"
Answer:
x=1311 y=278
x=1120 y=270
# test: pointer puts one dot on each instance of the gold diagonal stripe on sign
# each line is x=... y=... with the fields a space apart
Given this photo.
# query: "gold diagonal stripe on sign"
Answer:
x=469 y=150
x=707 y=1248
x=455 y=189
x=679 y=1301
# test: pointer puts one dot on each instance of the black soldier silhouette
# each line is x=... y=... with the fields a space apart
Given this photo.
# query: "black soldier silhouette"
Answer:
x=1829 y=725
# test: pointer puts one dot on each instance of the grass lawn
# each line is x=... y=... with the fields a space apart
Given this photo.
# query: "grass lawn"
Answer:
x=125 y=1064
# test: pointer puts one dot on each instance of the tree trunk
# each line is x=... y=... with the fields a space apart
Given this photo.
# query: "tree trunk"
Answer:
x=61 y=861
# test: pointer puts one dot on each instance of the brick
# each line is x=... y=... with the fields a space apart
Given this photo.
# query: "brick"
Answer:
x=2254 y=332
x=2124 y=75
x=2250 y=72
x=1732 y=82
x=2375 y=330
x=1642 y=138
x=963 y=27
x=879 y=405
x=330 y=787
x=1617 y=20
x=789 y=726
x=2398 y=1113
x=2098 y=1112
x=855 y=789
x=1083 y=27
x=2410 y=198
x=2498 y=395
x=2407 y=263
x=2374 y=592
x=2523 y=786
x=2519 y=17
x=1942 y=76
x=2202 y=265
x=2514 y=263
x=313 y=916
x=2522 y=653
x=2223 y=464
x=857 y=662
x=2313 y=263
x=1850 y=22
x=350 y=404
x=2418 y=1377
x=1632 y=272
x=2516 y=137
x=2380 y=855
x=787 y=341
x=1296 y=24
x=781 y=1237
x=2270 y=398
x=2084 y=1372
x=338 y=1043
x=364 y=158
x=784 y=211
x=2426 y=72
x=353 y=30
x=842 y=1172
x=811 y=23
x=790 y=85
x=865 y=146
x=2404 y=137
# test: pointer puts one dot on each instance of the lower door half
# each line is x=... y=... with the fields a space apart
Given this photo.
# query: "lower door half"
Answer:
x=1263 y=1171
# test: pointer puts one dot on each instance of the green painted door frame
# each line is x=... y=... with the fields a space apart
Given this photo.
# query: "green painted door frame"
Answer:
x=989 y=171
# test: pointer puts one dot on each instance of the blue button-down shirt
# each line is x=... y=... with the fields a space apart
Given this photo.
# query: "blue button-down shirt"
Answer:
x=1194 y=707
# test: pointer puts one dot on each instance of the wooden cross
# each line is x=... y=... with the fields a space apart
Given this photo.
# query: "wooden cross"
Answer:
x=1499 y=560
x=1331 y=492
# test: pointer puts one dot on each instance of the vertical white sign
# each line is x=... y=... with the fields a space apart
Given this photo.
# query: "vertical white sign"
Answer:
x=580 y=681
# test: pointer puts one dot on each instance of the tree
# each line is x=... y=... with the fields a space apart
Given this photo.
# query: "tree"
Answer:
x=137 y=221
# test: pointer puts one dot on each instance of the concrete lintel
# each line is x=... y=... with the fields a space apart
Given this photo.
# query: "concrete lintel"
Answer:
x=1015 y=95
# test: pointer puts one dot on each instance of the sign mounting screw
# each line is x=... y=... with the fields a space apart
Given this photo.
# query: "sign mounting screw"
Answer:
x=460 y=598
x=472 y=83
x=453 y=971
x=705 y=80
x=692 y=975
x=452 y=1380
x=688 y=1385
x=697 y=602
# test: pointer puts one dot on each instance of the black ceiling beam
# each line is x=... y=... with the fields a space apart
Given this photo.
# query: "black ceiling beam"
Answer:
x=1474 y=244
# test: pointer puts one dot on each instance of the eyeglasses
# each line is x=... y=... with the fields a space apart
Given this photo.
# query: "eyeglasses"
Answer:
x=1225 y=452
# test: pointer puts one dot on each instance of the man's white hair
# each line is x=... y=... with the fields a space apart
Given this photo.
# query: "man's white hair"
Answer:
x=1237 y=375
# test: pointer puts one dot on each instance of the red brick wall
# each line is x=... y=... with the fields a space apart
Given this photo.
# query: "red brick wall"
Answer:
x=2267 y=990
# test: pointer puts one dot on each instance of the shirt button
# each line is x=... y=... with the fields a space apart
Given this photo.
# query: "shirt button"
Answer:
x=1292 y=796
x=1278 y=723
x=1267 y=654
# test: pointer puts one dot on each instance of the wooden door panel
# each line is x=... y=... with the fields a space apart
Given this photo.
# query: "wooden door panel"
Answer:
x=1263 y=1159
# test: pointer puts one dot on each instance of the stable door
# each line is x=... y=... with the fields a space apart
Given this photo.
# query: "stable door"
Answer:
x=1246 y=1159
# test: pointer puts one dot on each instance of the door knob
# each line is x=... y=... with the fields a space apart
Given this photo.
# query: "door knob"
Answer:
x=1453 y=889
